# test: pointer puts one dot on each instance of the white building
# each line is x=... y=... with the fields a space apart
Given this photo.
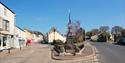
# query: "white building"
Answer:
x=37 y=36
x=7 y=21
x=55 y=35
x=19 y=38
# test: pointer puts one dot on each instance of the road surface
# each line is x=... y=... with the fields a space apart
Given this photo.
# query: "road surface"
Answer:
x=110 y=53
x=36 y=53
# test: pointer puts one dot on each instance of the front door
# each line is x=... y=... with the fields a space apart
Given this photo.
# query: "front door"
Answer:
x=4 y=41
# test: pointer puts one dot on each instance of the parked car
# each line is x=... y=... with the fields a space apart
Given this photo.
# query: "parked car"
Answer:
x=121 y=40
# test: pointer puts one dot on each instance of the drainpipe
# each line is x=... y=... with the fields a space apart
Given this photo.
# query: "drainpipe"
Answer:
x=20 y=45
x=54 y=34
x=1 y=40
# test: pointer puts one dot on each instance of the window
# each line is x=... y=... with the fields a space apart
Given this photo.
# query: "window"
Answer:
x=5 y=25
x=4 y=41
x=5 y=11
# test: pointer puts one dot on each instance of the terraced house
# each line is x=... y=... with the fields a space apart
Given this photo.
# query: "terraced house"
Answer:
x=19 y=38
x=55 y=35
x=7 y=21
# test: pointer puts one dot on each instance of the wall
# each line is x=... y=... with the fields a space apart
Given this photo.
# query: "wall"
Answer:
x=20 y=38
x=28 y=34
x=57 y=36
x=10 y=17
x=6 y=36
x=37 y=38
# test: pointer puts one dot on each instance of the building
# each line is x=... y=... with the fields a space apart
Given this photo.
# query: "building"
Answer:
x=28 y=33
x=55 y=35
x=37 y=36
x=7 y=22
x=19 y=38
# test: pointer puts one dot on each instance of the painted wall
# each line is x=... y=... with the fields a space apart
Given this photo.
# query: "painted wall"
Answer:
x=28 y=34
x=10 y=17
x=55 y=36
x=20 y=38
x=6 y=37
x=37 y=38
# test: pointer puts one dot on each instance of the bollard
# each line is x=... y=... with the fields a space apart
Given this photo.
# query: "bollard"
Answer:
x=9 y=50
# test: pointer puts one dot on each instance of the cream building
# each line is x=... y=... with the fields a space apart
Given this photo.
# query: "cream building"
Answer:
x=55 y=35
x=19 y=38
x=28 y=33
x=37 y=36
x=7 y=21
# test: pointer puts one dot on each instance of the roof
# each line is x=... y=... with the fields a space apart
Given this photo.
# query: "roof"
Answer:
x=38 y=32
x=7 y=7
x=54 y=29
x=19 y=28
x=25 y=29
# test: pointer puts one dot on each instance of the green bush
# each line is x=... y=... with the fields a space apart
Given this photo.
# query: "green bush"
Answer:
x=58 y=46
x=103 y=37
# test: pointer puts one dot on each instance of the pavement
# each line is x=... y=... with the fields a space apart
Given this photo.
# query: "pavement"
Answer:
x=36 y=53
x=6 y=52
x=110 y=53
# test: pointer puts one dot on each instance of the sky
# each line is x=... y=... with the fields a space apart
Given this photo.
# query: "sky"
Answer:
x=41 y=15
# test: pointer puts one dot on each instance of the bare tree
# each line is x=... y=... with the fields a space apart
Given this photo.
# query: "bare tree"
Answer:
x=94 y=31
x=116 y=31
x=103 y=28
x=80 y=35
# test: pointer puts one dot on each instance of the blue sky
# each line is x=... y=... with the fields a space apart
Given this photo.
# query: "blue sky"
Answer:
x=41 y=15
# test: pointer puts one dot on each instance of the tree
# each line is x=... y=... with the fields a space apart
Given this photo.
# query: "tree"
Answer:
x=123 y=32
x=103 y=28
x=80 y=35
x=89 y=34
x=116 y=31
x=103 y=36
x=94 y=32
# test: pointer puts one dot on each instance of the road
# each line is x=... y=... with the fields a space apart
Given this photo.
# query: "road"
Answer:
x=36 y=53
x=110 y=53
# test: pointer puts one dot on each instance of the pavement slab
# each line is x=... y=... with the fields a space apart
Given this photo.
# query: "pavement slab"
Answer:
x=37 y=53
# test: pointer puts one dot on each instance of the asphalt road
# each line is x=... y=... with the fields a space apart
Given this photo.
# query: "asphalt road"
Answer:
x=110 y=53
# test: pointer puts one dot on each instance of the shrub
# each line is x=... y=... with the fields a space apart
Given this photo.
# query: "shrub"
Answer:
x=58 y=46
x=102 y=37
